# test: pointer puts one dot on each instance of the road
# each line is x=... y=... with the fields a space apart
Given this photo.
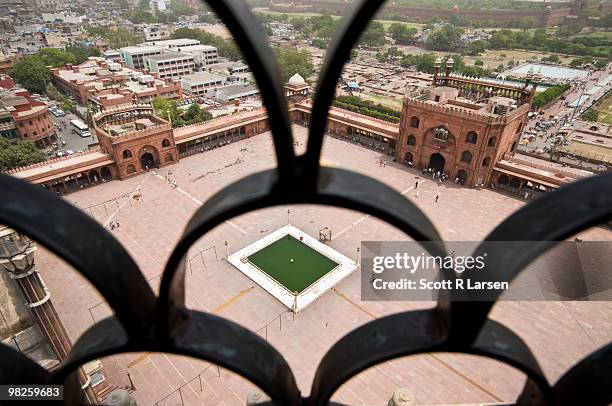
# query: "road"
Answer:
x=560 y=109
x=74 y=141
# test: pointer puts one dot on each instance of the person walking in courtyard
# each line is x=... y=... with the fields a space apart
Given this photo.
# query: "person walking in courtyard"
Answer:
x=437 y=197
x=416 y=194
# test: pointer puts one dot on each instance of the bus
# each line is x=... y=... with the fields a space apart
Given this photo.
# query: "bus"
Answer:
x=80 y=128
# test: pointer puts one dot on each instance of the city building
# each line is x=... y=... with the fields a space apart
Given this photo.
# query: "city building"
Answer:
x=135 y=56
x=29 y=119
x=234 y=92
x=111 y=83
x=155 y=32
x=462 y=127
x=150 y=141
x=203 y=54
x=170 y=65
x=202 y=83
x=158 y=6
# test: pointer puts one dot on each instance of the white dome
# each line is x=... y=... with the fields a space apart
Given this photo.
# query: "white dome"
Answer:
x=297 y=80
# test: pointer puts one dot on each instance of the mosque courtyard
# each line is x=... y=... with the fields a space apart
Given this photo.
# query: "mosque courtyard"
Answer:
x=152 y=215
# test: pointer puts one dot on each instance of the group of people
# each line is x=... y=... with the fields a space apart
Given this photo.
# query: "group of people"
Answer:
x=114 y=224
x=439 y=175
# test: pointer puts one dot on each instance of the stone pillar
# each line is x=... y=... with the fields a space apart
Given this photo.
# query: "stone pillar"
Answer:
x=17 y=259
x=402 y=397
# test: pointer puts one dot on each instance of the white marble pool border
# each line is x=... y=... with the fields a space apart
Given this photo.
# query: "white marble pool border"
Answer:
x=282 y=294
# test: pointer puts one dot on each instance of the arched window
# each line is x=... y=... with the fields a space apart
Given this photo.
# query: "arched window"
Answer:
x=466 y=157
x=486 y=161
x=519 y=128
x=411 y=140
x=35 y=133
x=513 y=147
x=491 y=142
x=127 y=154
x=414 y=122
x=471 y=137
x=131 y=169
x=165 y=143
x=168 y=157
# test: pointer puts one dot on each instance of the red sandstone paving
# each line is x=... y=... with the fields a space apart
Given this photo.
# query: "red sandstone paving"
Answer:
x=559 y=333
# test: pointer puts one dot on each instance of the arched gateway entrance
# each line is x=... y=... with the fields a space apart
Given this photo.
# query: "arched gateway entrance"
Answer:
x=437 y=162
x=149 y=158
x=147 y=161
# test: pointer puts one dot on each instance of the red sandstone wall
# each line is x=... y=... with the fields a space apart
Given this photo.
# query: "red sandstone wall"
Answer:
x=426 y=13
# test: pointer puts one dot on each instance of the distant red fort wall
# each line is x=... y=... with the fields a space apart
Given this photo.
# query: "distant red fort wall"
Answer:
x=554 y=16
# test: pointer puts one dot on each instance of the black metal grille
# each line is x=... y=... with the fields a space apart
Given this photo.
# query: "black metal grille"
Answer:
x=144 y=322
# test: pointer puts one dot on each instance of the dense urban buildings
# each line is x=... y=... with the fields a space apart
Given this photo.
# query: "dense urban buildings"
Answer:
x=23 y=117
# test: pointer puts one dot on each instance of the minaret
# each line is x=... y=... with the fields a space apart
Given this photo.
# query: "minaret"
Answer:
x=17 y=259
x=437 y=65
x=449 y=66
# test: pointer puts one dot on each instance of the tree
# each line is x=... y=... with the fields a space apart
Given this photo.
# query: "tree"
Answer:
x=600 y=64
x=195 y=114
x=32 y=74
x=448 y=38
x=55 y=57
x=292 y=61
x=168 y=110
x=551 y=58
x=82 y=53
x=121 y=38
x=401 y=34
x=374 y=35
x=20 y=153
x=479 y=62
x=477 y=47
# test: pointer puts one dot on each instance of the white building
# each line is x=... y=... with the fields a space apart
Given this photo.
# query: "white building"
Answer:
x=157 y=6
x=134 y=56
x=156 y=32
x=202 y=83
x=233 y=92
x=170 y=65
x=202 y=54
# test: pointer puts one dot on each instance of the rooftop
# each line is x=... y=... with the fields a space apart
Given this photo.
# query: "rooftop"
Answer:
x=202 y=77
x=140 y=49
x=165 y=56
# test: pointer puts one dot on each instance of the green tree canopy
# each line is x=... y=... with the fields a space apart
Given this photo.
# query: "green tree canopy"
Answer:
x=55 y=57
x=167 y=109
x=82 y=53
x=448 y=38
x=20 y=153
x=374 y=35
x=292 y=61
x=401 y=33
x=31 y=73
x=196 y=114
